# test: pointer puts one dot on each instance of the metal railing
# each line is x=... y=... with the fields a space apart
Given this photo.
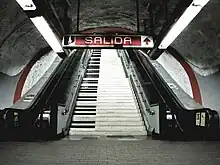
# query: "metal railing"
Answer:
x=137 y=89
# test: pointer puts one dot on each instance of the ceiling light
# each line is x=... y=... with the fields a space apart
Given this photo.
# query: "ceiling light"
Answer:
x=190 y=13
x=47 y=33
x=26 y=4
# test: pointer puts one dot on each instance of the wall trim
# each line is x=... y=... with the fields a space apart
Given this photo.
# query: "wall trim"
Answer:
x=193 y=80
x=25 y=72
x=108 y=30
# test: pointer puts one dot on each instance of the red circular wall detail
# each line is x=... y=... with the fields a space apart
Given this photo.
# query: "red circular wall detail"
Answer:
x=193 y=81
x=22 y=80
x=25 y=72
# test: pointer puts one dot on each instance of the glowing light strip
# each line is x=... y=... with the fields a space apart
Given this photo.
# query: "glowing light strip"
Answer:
x=47 y=33
x=189 y=14
x=26 y=4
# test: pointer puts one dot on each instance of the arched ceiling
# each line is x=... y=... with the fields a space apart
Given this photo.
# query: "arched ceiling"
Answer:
x=20 y=40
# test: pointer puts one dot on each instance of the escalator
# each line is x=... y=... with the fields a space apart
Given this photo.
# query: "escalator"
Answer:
x=176 y=121
x=84 y=115
x=39 y=118
x=104 y=92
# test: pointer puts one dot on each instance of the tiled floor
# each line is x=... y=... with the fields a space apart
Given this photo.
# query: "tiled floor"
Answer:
x=102 y=152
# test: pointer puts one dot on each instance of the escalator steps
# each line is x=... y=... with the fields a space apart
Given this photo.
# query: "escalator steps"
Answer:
x=88 y=91
x=87 y=96
x=87 y=113
x=87 y=106
x=92 y=76
x=86 y=99
x=93 y=71
x=83 y=124
x=94 y=62
x=85 y=109
x=93 y=67
x=92 y=82
x=84 y=115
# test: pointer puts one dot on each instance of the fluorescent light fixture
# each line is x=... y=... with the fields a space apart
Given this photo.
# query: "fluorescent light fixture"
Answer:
x=47 y=33
x=190 y=13
x=26 y=4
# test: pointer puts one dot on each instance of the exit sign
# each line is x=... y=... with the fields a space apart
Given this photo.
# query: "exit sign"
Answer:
x=107 y=41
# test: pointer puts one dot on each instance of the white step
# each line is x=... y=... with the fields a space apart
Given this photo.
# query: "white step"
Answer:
x=114 y=101
x=94 y=64
x=106 y=96
x=106 y=85
x=120 y=128
x=127 y=119
x=83 y=108
x=110 y=115
x=95 y=58
x=113 y=83
x=89 y=73
x=84 y=112
x=106 y=111
x=108 y=62
x=115 y=106
x=111 y=104
x=87 y=103
x=90 y=78
x=84 y=118
x=115 y=71
x=103 y=108
x=104 y=123
x=114 y=88
x=114 y=92
x=112 y=77
x=74 y=131
x=82 y=124
x=109 y=99
x=117 y=91
x=107 y=78
x=93 y=69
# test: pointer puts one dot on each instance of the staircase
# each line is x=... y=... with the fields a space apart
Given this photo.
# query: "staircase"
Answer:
x=108 y=107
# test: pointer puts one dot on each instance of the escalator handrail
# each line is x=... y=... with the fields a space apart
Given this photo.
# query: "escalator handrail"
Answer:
x=166 y=88
x=68 y=104
x=128 y=61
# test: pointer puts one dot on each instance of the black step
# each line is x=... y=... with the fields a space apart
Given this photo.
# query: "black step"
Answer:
x=83 y=126
x=92 y=113
x=92 y=91
x=78 y=122
x=80 y=99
